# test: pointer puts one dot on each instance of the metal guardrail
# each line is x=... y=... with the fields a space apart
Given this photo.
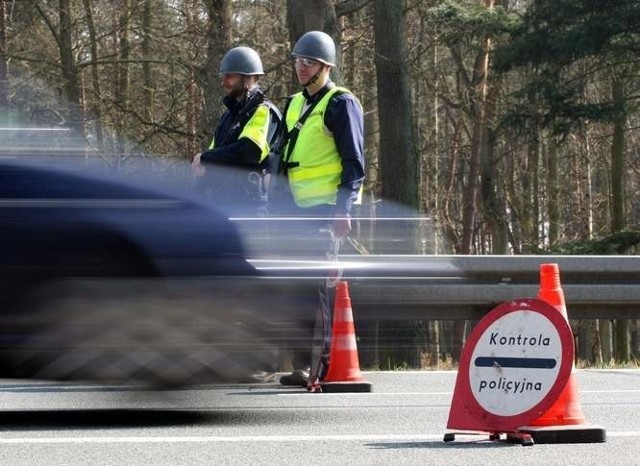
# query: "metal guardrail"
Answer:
x=467 y=287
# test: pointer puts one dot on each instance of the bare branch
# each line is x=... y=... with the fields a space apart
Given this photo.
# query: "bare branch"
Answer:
x=347 y=7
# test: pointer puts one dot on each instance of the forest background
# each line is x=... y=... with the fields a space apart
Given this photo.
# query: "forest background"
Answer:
x=511 y=126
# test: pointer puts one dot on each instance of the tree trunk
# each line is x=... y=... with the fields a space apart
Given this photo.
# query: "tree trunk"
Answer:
x=622 y=340
x=530 y=187
x=398 y=156
x=495 y=210
x=69 y=70
x=432 y=169
x=219 y=35
x=479 y=92
x=606 y=340
x=399 y=163
x=597 y=343
x=618 y=221
x=124 y=49
x=4 y=78
x=95 y=75
x=311 y=15
x=635 y=340
x=447 y=212
x=147 y=55
x=553 y=203
x=314 y=15
x=588 y=333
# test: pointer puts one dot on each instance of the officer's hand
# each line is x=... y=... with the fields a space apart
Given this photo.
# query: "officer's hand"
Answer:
x=341 y=225
x=196 y=167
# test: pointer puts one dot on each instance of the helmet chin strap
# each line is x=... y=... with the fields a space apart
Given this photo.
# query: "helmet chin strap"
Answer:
x=314 y=79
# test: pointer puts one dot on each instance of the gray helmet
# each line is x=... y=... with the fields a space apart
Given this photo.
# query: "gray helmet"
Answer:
x=316 y=45
x=241 y=60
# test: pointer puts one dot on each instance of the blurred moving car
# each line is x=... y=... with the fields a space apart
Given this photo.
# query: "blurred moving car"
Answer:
x=105 y=278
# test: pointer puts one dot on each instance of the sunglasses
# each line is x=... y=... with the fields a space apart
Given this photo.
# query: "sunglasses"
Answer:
x=306 y=62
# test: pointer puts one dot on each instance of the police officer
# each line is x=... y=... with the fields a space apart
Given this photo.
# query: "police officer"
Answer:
x=233 y=169
x=324 y=164
x=244 y=136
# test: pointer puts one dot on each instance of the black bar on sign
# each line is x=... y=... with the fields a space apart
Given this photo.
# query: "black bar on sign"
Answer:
x=524 y=363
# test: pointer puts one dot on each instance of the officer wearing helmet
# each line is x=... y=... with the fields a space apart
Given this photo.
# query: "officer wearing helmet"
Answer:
x=245 y=135
x=323 y=161
x=233 y=169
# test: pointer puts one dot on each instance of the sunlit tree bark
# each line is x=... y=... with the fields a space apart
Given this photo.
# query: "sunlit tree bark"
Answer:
x=479 y=89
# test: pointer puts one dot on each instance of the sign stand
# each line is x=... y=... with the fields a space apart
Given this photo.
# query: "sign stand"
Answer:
x=514 y=366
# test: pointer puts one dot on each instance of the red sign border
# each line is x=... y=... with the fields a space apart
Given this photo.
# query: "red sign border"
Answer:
x=497 y=423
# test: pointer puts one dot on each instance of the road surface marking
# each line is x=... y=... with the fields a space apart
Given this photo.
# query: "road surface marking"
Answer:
x=252 y=438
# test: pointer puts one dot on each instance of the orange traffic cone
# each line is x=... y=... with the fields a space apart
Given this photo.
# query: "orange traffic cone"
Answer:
x=564 y=421
x=344 y=367
x=566 y=409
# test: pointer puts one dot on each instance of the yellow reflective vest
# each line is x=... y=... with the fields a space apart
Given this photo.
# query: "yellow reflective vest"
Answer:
x=317 y=168
x=256 y=129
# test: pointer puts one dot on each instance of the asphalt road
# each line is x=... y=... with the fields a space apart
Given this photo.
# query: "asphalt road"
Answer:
x=402 y=422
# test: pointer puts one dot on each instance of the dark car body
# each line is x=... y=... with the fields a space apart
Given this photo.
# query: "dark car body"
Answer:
x=135 y=278
x=67 y=213
x=104 y=277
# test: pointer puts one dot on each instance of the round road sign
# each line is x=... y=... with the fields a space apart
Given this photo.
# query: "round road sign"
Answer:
x=515 y=364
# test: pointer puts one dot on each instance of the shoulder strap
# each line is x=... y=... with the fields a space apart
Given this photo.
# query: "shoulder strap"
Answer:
x=292 y=136
x=275 y=138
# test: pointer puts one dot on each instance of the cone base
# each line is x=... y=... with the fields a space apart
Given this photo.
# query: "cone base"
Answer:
x=584 y=433
x=346 y=387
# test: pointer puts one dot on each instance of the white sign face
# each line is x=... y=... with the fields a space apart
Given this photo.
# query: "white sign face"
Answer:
x=515 y=363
